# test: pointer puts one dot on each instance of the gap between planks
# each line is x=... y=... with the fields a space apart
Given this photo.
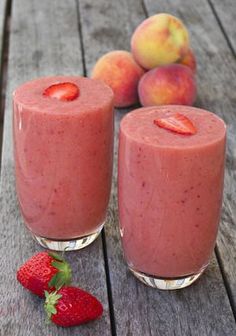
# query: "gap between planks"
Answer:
x=222 y=27
x=220 y=262
x=217 y=253
x=226 y=282
x=103 y=236
x=25 y=63
x=109 y=287
x=81 y=38
x=4 y=65
x=101 y=45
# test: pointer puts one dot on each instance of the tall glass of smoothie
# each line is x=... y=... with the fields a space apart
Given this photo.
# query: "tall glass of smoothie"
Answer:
x=171 y=172
x=63 y=149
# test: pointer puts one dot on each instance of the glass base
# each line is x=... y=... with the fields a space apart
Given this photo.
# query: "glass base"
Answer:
x=67 y=245
x=166 y=284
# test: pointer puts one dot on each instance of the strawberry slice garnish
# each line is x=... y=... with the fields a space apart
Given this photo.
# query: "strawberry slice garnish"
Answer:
x=177 y=123
x=44 y=271
x=62 y=91
x=70 y=306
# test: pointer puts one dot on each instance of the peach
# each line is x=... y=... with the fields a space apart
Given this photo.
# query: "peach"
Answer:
x=189 y=60
x=166 y=85
x=119 y=70
x=159 y=40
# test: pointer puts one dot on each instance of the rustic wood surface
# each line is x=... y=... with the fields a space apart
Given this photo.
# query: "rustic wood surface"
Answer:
x=3 y=40
x=3 y=4
x=58 y=37
x=141 y=315
x=226 y=16
x=225 y=12
x=216 y=92
x=44 y=41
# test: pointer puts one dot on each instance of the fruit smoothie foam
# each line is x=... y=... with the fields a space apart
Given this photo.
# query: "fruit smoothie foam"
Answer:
x=63 y=155
x=170 y=191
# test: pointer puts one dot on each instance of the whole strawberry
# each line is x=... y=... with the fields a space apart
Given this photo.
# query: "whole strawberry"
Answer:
x=44 y=271
x=70 y=306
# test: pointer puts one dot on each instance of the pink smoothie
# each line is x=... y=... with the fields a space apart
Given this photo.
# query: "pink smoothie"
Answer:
x=63 y=157
x=170 y=191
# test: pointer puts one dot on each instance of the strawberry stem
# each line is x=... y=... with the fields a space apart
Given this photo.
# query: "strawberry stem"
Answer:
x=56 y=256
x=64 y=274
x=50 y=303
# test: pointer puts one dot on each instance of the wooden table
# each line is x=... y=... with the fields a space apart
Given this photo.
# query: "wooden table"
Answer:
x=66 y=37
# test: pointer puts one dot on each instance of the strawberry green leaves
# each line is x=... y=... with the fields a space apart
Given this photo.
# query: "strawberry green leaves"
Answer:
x=64 y=274
x=44 y=271
x=48 y=275
x=51 y=300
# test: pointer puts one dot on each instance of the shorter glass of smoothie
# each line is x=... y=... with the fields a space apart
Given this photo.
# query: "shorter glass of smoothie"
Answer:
x=170 y=185
x=63 y=150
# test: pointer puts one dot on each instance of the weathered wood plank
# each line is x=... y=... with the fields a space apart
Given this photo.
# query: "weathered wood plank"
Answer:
x=139 y=310
x=226 y=13
x=3 y=4
x=44 y=41
x=3 y=39
x=106 y=25
x=216 y=92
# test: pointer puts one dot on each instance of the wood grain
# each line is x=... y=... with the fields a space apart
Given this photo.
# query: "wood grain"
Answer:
x=225 y=13
x=225 y=10
x=3 y=4
x=44 y=41
x=107 y=26
x=217 y=93
x=139 y=310
x=3 y=40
